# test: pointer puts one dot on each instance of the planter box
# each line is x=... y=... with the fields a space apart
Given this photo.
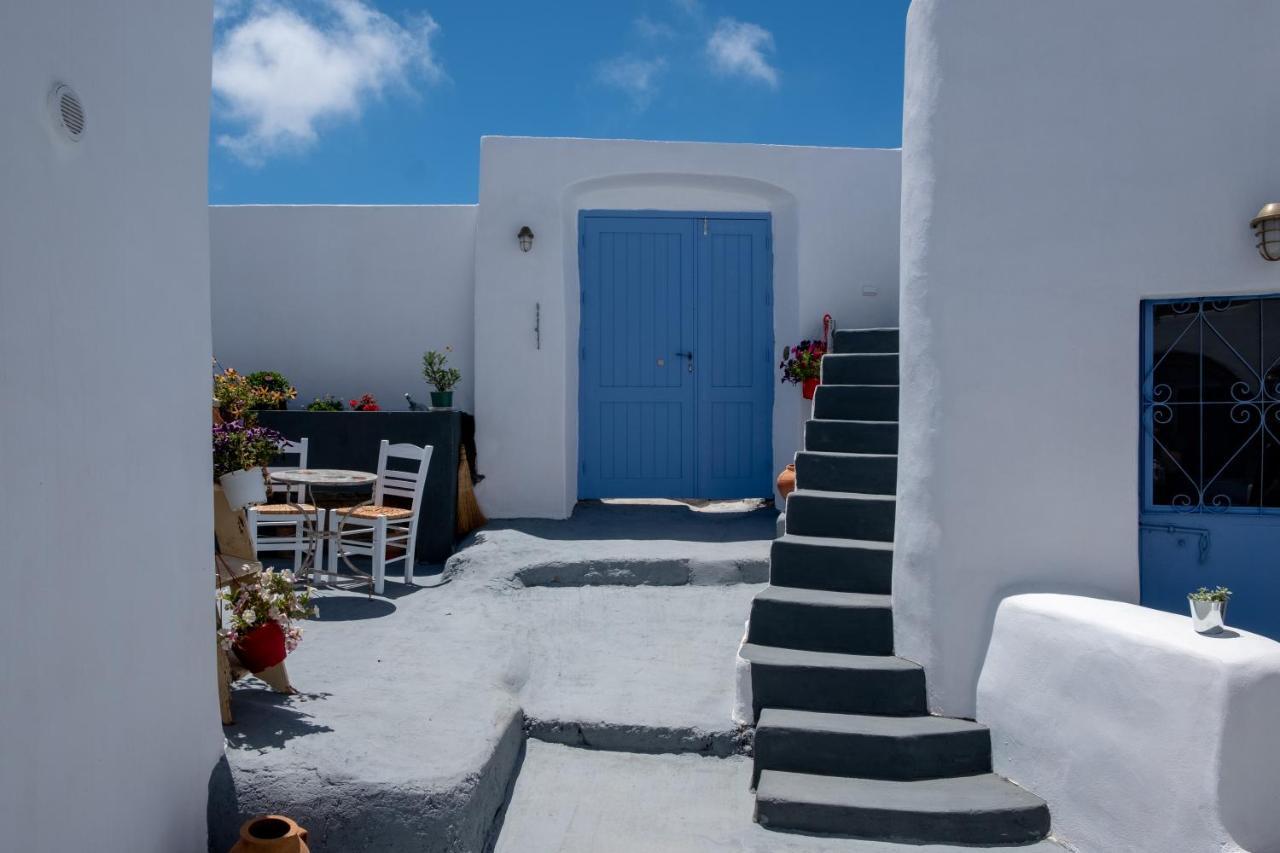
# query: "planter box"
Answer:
x=350 y=440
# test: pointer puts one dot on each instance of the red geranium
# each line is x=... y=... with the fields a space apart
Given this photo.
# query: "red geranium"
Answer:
x=365 y=404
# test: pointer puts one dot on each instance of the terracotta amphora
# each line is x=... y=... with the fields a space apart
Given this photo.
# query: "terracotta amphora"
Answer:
x=787 y=481
x=271 y=833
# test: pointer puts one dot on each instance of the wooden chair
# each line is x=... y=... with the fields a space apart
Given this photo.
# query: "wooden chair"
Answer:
x=279 y=526
x=387 y=529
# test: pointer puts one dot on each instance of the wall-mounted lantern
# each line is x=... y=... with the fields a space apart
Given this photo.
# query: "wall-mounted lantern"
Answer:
x=1266 y=227
x=525 y=236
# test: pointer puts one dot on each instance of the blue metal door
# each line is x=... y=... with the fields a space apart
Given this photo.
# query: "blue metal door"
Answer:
x=675 y=379
x=1210 y=475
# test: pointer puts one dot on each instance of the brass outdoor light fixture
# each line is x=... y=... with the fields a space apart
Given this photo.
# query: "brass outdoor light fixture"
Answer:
x=525 y=236
x=1266 y=227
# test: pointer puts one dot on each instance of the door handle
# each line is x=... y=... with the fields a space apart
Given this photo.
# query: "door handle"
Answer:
x=689 y=357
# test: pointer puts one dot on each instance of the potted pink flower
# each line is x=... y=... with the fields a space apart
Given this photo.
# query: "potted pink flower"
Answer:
x=263 y=609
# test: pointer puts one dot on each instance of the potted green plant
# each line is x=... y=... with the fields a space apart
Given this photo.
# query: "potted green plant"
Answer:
x=802 y=365
x=269 y=390
x=436 y=370
x=263 y=608
x=241 y=452
x=327 y=403
x=1209 y=609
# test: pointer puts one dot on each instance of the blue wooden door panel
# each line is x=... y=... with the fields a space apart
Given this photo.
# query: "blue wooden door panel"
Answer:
x=675 y=383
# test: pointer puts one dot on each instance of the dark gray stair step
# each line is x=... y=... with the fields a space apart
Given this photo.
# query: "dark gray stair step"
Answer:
x=980 y=809
x=856 y=402
x=840 y=565
x=864 y=340
x=844 y=515
x=845 y=436
x=871 y=747
x=860 y=368
x=825 y=681
x=868 y=473
x=852 y=623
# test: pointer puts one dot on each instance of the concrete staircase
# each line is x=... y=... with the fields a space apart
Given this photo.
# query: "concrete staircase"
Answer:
x=844 y=742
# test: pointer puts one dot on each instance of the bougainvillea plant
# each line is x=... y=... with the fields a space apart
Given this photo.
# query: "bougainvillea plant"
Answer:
x=237 y=447
x=803 y=361
x=266 y=596
x=367 y=403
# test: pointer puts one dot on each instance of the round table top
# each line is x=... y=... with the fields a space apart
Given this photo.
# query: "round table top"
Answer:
x=323 y=477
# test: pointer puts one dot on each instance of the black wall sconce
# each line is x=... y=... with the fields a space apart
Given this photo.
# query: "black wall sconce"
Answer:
x=525 y=236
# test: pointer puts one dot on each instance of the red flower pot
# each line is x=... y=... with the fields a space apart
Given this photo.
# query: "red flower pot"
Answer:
x=262 y=648
x=809 y=386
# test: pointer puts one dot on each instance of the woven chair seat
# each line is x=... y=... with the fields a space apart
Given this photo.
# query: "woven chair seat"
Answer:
x=284 y=509
x=375 y=511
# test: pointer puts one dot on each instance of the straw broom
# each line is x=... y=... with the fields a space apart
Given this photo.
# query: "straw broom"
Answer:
x=469 y=515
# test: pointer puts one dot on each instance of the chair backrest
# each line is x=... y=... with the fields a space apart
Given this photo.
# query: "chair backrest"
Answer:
x=402 y=483
x=291 y=448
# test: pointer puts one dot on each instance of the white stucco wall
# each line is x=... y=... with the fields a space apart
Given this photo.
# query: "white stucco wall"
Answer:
x=344 y=300
x=1140 y=734
x=1061 y=162
x=108 y=703
x=835 y=231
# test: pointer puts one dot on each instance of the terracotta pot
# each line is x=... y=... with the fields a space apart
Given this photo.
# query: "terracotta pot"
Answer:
x=262 y=648
x=271 y=833
x=787 y=481
x=809 y=386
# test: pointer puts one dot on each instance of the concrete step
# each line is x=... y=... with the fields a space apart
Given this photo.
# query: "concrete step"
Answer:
x=981 y=809
x=825 y=681
x=871 y=747
x=844 y=515
x=840 y=565
x=868 y=473
x=854 y=623
x=864 y=340
x=861 y=368
x=840 y=436
x=856 y=402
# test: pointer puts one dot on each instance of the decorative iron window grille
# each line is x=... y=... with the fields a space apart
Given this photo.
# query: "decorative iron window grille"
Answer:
x=1211 y=405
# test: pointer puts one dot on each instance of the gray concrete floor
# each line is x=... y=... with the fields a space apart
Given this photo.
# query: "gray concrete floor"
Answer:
x=570 y=800
x=407 y=729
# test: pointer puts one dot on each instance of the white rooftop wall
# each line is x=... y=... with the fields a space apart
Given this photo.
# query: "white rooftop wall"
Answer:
x=108 y=703
x=1061 y=162
x=835 y=231
x=344 y=300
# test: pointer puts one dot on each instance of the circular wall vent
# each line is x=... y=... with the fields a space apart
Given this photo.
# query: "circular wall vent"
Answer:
x=68 y=111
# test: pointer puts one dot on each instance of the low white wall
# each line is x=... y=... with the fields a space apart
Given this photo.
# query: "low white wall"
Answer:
x=345 y=300
x=1061 y=162
x=1140 y=734
x=108 y=701
x=835 y=230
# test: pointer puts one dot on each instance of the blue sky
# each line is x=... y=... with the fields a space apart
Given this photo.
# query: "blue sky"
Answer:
x=385 y=101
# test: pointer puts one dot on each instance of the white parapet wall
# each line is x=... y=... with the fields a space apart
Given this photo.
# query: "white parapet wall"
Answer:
x=345 y=299
x=1061 y=162
x=835 y=242
x=1142 y=735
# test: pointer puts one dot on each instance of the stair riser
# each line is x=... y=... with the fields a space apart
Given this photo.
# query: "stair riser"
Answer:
x=815 y=628
x=836 y=569
x=1000 y=827
x=894 y=693
x=868 y=475
x=865 y=341
x=860 y=369
x=856 y=402
x=872 y=520
x=843 y=437
x=872 y=757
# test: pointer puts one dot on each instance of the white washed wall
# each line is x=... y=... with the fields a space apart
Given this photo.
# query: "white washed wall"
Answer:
x=835 y=222
x=344 y=300
x=108 y=704
x=1061 y=162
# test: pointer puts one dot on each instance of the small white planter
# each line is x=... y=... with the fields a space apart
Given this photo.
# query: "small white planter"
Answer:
x=1208 y=617
x=244 y=488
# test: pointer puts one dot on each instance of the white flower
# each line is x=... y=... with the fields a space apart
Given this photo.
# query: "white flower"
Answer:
x=249 y=616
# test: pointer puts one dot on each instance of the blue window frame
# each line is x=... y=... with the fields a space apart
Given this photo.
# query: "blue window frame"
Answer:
x=1211 y=405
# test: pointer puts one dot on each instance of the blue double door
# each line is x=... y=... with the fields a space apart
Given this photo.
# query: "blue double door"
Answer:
x=676 y=355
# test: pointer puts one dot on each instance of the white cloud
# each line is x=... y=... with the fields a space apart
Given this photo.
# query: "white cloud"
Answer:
x=638 y=78
x=281 y=73
x=739 y=48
